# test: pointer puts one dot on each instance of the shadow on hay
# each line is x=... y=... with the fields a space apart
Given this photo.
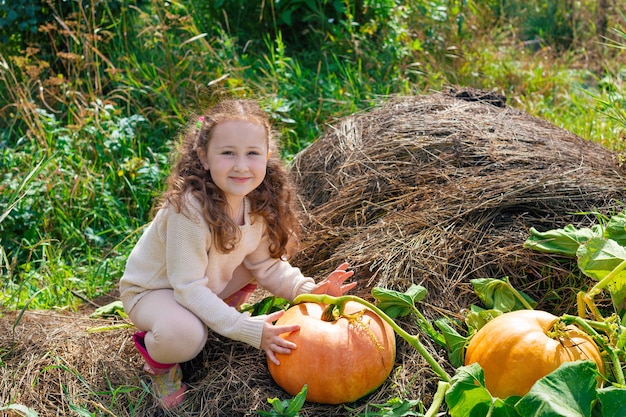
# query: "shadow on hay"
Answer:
x=433 y=190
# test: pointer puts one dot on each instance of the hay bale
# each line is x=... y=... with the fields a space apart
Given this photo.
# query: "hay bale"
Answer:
x=439 y=189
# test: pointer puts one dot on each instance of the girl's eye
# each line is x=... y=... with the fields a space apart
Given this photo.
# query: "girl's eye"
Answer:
x=253 y=153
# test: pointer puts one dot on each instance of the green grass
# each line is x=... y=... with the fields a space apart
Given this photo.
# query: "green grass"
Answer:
x=89 y=120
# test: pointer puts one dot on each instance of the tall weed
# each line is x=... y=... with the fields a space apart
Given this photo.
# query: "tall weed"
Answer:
x=94 y=190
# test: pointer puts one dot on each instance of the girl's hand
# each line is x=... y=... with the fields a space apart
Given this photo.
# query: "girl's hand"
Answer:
x=271 y=342
x=333 y=284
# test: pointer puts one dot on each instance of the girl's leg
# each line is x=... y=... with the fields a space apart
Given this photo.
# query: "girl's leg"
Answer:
x=240 y=287
x=173 y=333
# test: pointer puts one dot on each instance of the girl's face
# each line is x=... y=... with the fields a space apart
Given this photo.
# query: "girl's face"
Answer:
x=236 y=156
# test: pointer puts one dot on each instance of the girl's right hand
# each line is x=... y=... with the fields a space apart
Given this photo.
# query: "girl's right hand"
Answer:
x=333 y=284
x=271 y=342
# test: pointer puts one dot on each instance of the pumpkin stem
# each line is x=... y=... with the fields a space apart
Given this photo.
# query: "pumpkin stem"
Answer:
x=557 y=330
x=330 y=313
x=612 y=328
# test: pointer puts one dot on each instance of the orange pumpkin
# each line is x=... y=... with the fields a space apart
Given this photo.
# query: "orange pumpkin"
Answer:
x=516 y=350
x=339 y=361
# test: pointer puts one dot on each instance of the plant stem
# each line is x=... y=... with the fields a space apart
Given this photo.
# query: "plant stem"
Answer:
x=606 y=280
x=412 y=340
x=585 y=301
x=518 y=295
x=428 y=328
x=588 y=297
x=588 y=327
x=440 y=395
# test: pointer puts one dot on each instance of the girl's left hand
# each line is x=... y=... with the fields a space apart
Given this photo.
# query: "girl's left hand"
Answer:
x=271 y=342
x=333 y=284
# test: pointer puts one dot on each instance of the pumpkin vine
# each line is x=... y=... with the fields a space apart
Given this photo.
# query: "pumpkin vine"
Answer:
x=414 y=341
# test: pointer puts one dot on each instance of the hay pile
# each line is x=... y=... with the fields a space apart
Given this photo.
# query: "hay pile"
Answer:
x=433 y=190
x=440 y=189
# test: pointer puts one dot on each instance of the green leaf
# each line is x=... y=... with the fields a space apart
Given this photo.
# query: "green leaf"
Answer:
x=267 y=305
x=278 y=404
x=468 y=396
x=600 y=257
x=454 y=341
x=394 y=407
x=477 y=317
x=286 y=17
x=285 y=408
x=278 y=408
x=498 y=294
x=612 y=401
x=560 y=241
x=297 y=402
x=615 y=229
x=396 y=304
x=568 y=391
x=111 y=309
x=27 y=412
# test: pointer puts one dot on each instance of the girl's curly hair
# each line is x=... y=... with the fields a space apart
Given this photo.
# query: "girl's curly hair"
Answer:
x=273 y=199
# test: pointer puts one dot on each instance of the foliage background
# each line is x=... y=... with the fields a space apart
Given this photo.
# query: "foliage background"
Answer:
x=93 y=93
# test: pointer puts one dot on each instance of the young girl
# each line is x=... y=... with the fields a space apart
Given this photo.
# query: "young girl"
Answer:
x=224 y=224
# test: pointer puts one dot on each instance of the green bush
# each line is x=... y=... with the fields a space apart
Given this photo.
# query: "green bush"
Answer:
x=94 y=187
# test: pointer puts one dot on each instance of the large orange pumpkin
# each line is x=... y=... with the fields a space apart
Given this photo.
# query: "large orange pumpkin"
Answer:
x=518 y=348
x=339 y=361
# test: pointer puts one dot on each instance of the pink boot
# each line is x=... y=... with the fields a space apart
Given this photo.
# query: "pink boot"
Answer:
x=166 y=377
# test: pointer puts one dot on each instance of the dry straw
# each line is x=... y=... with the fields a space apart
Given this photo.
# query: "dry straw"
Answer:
x=440 y=189
x=432 y=190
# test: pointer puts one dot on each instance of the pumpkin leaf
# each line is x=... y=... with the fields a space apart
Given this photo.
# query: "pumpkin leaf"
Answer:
x=563 y=241
x=468 y=396
x=477 y=317
x=568 y=391
x=615 y=228
x=499 y=295
x=267 y=305
x=396 y=304
x=612 y=401
x=600 y=257
x=454 y=341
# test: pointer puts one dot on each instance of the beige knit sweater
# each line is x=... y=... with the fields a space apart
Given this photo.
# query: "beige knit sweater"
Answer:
x=176 y=251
